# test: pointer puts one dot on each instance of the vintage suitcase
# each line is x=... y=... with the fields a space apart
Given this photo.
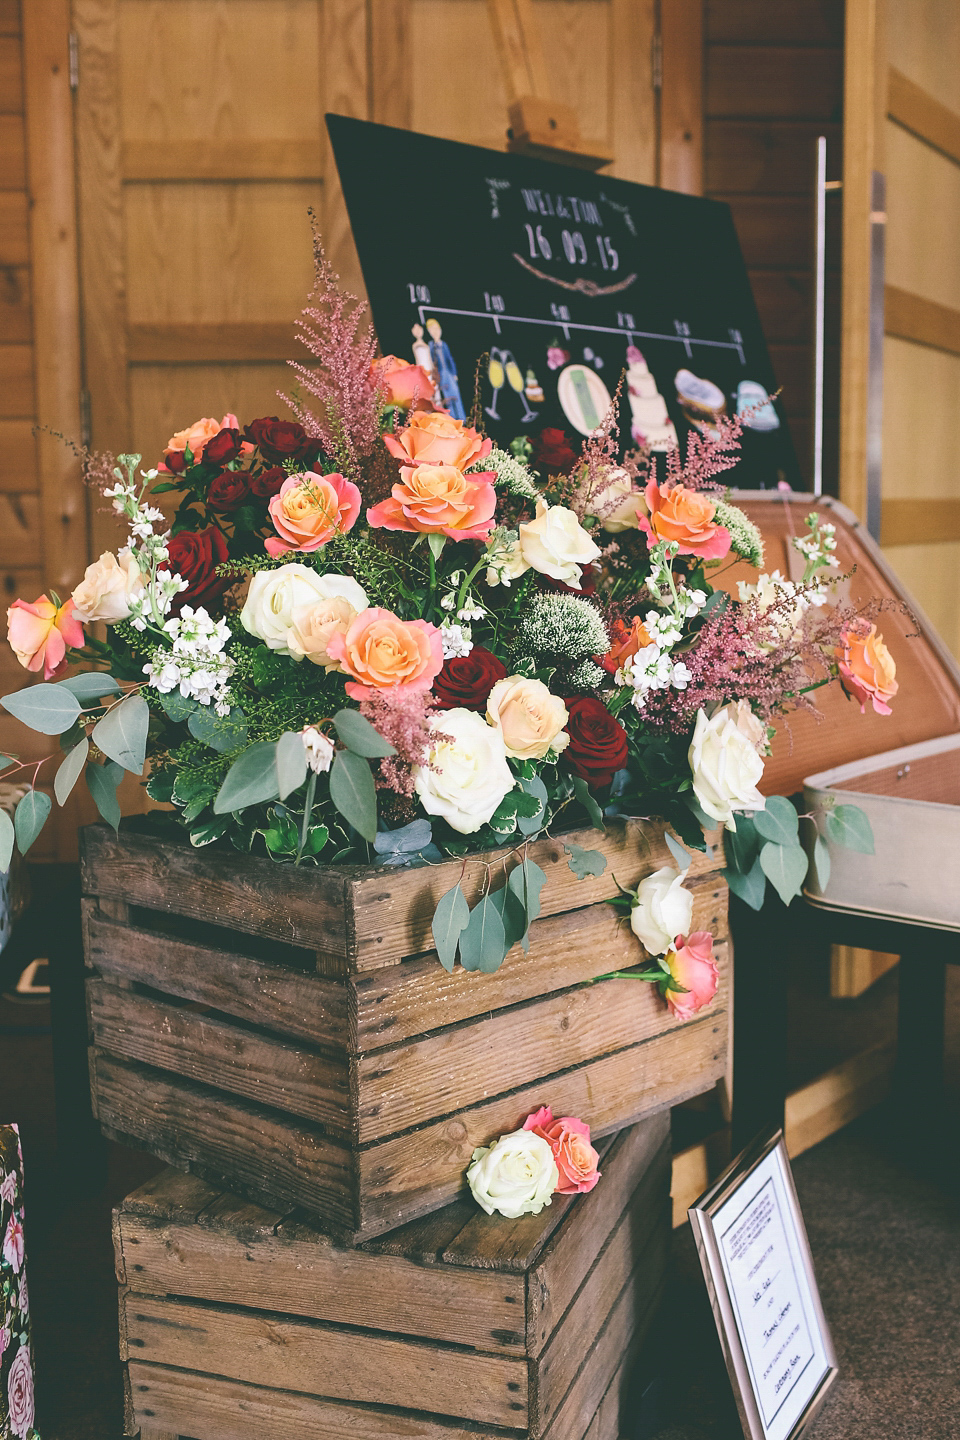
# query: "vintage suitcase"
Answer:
x=239 y=1323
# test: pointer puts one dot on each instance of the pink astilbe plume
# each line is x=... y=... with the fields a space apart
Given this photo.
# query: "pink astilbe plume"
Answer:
x=583 y=493
x=404 y=722
x=346 y=421
x=708 y=455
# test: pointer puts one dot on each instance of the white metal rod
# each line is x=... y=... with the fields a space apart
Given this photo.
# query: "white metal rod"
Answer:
x=819 y=304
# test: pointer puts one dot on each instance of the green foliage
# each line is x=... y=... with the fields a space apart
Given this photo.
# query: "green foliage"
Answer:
x=50 y=709
x=90 y=685
x=30 y=817
x=223 y=733
x=7 y=838
x=122 y=733
x=102 y=782
x=777 y=821
x=483 y=938
x=785 y=866
x=353 y=792
x=356 y=732
x=585 y=862
x=71 y=768
x=251 y=779
x=848 y=825
x=449 y=920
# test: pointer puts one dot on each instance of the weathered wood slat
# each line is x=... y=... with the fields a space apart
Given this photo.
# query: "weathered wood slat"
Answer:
x=170 y=1036
x=172 y=1195
x=322 y=1360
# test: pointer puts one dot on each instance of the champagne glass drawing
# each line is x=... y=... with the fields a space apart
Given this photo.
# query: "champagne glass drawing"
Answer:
x=515 y=381
x=496 y=375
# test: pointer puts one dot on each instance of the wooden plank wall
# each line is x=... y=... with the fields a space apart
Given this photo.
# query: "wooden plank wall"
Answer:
x=773 y=83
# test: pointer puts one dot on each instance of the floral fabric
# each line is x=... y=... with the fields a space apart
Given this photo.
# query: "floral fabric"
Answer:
x=16 y=1357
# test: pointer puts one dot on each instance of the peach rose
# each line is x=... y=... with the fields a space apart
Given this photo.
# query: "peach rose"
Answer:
x=691 y=963
x=438 y=439
x=383 y=652
x=309 y=510
x=403 y=384
x=867 y=667
x=195 y=437
x=529 y=718
x=685 y=517
x=40 y=633
x=314 y=626
x=107 y=588
x=569 y=1139
x=626 y=644
x=439 y=500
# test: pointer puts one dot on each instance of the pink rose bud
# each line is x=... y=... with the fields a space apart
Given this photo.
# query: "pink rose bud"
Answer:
x=569 y=1139
x=692 y=965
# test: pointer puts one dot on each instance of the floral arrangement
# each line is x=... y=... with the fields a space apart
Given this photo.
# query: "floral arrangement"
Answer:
x=367 y=635
x=16 y=1363
x=521 y=1172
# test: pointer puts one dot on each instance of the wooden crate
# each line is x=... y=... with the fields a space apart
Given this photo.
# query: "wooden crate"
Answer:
x=290 y=1034
x=239 y=1323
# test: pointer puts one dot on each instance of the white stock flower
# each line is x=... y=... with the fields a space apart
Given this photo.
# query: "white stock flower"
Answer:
x=319 y=750
x=275 y=595
x=726 y=767
x=456 y=640
x=556 y=544
x=467 y=774
x=663 y=910
x=505 y=558
x=108 y=587
x=516 y=1176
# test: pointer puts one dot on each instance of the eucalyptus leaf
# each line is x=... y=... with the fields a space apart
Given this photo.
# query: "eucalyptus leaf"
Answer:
x=251 y=779
x=405 y=842
x=449 y=919
x=71 y=768
x=821 y=862
x=30 y=817
x=582 y=791
x=7 y=837
x=777 y=821
x=785 y=866
x=585 y=862
x=848 y=825
x=356 y=732
x=353 y=792
x=291 y=763
x=47 y=708
x=750 y=885
x=483 y=941
x=102 y=782
x=682 y=857
x=530 y=824
x=90 y=685
x=122 y=733
x=741 y=846
x=512 y=913
x=527 y=880
x=178 y=707
x=223 y=733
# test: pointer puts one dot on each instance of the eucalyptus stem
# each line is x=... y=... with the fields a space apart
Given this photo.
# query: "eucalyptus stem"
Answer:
x=307 y=812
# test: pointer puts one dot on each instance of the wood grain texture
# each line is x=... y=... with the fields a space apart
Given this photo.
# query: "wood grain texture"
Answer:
x=633 y=126
x=11 y=75
x=911 y=317
x=20 y=537
x=770 y=157
x=788 y=22
x=13 y=153
x=922 y=114
x=925 y=522
x=682 y=96
x=9 y=17
x=222 y=159
x=18 y=456
x=17 y=396
x=344 y=51
x=923 y=218
x=322 y=1360
x=773 y=82
x=16 y=317
x=227 y=342
x=14 y=238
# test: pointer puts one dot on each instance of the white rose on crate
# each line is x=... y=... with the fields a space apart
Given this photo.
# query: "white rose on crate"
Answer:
x=275 y=595
x=530 y=719
x=107 y=588
x=663 y=910
x=726 y=767
x=556 y=544
x=467 y=775
x=618 y=504
x=516 y=1176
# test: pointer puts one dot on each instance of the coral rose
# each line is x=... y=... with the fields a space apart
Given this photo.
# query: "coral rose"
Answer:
x=383 y=652
x=403 y=384
x=195 y=439
x=466 y=680
x=40 y=633
x=529 y=718
x=107 y=587
x=684 y=517
x=439 y=500
x=598 y=742
x=692 y=964
x=867 y=667
x=437 y=439
x=627 y=642
x=309 y=510
x=569 y=1139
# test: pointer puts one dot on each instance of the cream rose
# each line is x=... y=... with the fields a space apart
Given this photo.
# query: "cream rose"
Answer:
x=529 y=718
x=107 y=588
x=618 y=504
x=516 y=1176
x=315 y=625
x=275 y=595
x=556 y=544
x=726 y=767
x=467 y=775
x=663 y=910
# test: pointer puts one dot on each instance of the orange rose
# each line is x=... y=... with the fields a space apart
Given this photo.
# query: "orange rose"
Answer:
x=438 y=439
x=309 y=510
x=867 y=667
x=196 y=436
x=438 y=500
x=626 y=643
x=685 y=517
x=40 y=633
x=403 y=384
x=383 y=652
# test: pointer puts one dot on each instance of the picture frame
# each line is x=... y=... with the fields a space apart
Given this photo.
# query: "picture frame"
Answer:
x=759 y=1273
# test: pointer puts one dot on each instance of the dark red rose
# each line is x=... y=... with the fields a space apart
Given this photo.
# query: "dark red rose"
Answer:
x=224 y=447
x=466 y=680
x=194 y=556
x=268 y=482
x=598 y=742
x=175 y=461
x=228 y=490
x=553 y=452
x=279 y=440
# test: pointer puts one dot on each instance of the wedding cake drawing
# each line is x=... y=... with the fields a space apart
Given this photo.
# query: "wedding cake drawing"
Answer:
x=649 y=422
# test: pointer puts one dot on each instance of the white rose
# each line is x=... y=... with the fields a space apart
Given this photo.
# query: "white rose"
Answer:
x=107 y=588
x=726 y=767
x=516 y=1176
x=319 y=749
x=556 y=544
x=467 y=775
x=751 y=726
x=618 y=504
x=529 y=718
x=274 y=595
x=664 y=910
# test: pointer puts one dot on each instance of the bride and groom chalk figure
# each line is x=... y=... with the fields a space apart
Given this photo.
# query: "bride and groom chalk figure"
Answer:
x=434 y=357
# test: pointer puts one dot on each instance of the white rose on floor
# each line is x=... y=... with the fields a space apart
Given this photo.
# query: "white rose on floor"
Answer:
x=467 y=775
x=664 y=910
x=274 y=595
x=516 y=1176
x=530 y=719
x=556 y=544
x=726 y=767
x=107 y=587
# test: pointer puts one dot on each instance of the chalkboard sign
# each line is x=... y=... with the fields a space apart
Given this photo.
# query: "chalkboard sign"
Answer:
x=562 y=281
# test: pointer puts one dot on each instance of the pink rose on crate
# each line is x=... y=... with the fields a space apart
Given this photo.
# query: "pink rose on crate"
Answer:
x=437 y=439
x=691 y=963
x=868 y=669
x=439 y=500
x=569 y=1139
x=386 y=654
x=309 y=510
x=20 y=1394
x=8 y=1188
x=40 y=633
x=13 y=1245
